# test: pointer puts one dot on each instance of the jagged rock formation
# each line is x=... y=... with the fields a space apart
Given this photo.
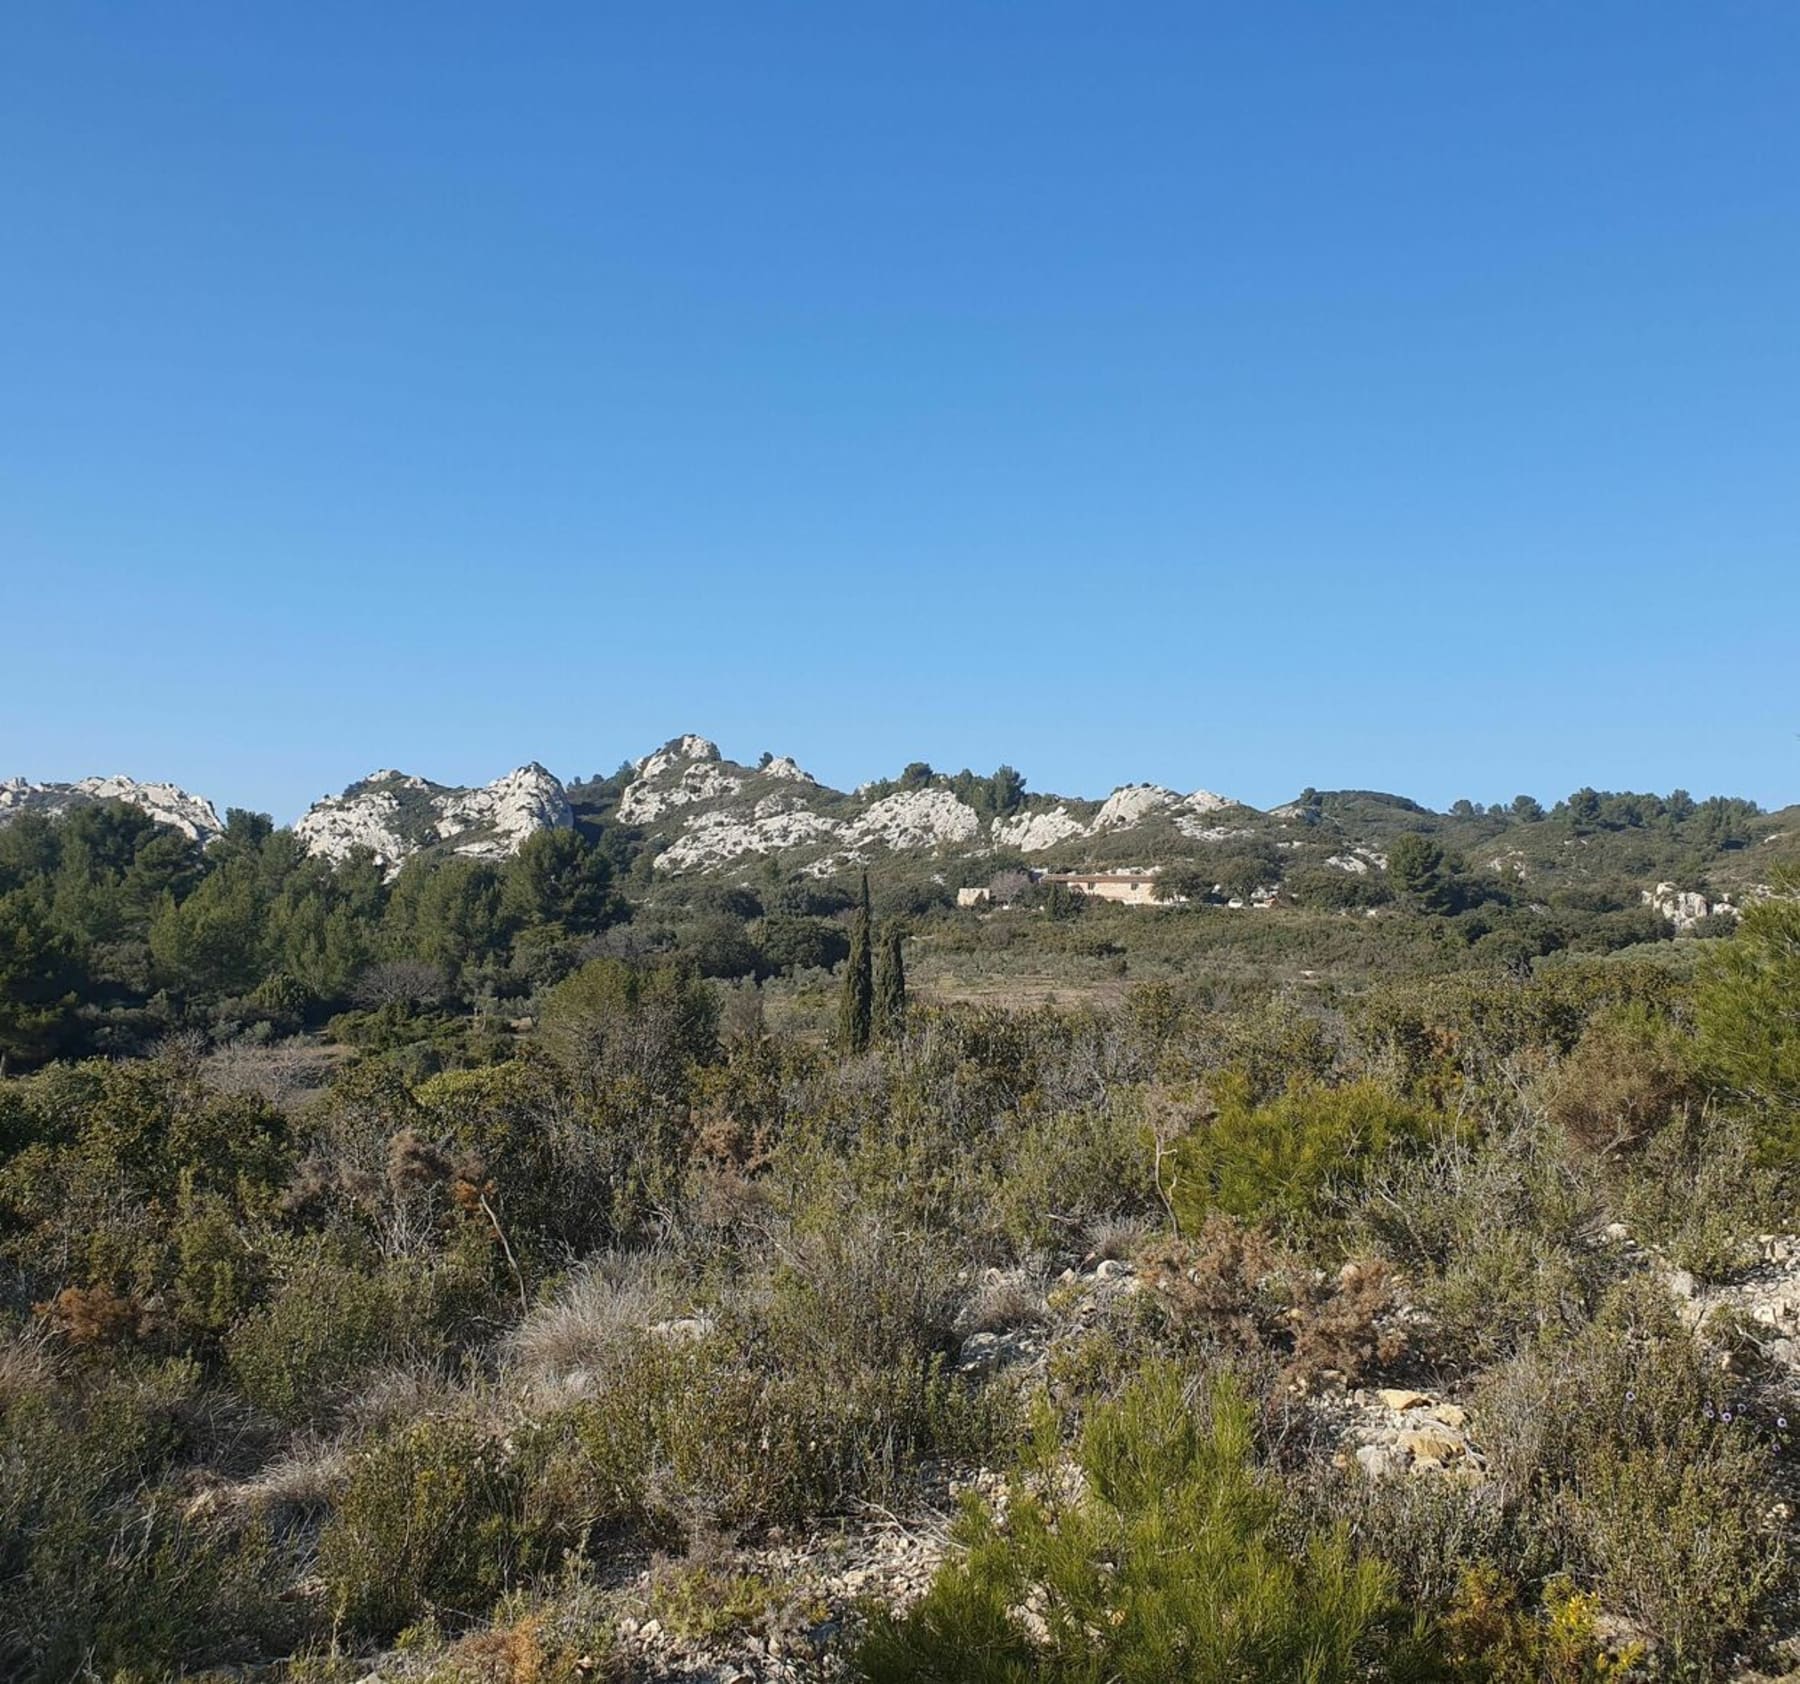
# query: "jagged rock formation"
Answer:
x=491 y=822
x=770 y=826
x=701 y=810
x=916 y=818
x=711 y=811
x=394 y=815
x=1684 y=908
x=698 y=812
x=194 y=816
x=1035 y=833
x=684 y=778
x=1132 y=804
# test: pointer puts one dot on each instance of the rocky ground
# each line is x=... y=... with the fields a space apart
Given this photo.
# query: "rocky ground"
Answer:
x=774 y=1608
x=1382 y=1432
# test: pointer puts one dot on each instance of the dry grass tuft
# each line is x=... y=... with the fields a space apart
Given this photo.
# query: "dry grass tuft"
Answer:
x=302 y=1481
x=1005 y=1299
x=588 y=1322
x=27 y=1365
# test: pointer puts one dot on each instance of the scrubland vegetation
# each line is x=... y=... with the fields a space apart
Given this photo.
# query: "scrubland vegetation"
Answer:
x=464 y=1275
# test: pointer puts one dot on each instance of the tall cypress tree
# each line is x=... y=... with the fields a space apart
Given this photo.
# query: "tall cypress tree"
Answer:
x=890 y=985
x=856 y=1011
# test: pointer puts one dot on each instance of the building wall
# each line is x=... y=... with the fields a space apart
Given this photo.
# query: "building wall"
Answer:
x=1127 y=891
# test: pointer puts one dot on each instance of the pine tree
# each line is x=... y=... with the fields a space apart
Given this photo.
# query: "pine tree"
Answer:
x=890 y=985
x=856 y=1011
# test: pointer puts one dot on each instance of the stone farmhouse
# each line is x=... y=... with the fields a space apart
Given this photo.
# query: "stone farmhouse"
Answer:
x=1128 y=888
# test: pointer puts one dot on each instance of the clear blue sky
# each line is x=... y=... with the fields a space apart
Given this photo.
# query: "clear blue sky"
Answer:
x=1246 y=396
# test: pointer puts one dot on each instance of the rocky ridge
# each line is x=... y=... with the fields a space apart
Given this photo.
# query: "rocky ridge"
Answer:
x=1132 y=804
x=394 y=815
x=705 y=811
x=713 y=811
x=194 y=816
x=700 y=812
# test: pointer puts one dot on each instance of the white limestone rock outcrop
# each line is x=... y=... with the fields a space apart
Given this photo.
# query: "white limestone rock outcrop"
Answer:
x=916 y=818
x=708 y=811
x=367 y=815
x=1033 y=833
x=394 y=815
x=718 y=837
x=687 y=772
x=1684 y=908
x=193 y=815
x=494 y=821
x=1131 y=804
x=1208 y=801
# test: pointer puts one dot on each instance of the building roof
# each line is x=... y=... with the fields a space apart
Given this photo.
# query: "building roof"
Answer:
x=1128 y=876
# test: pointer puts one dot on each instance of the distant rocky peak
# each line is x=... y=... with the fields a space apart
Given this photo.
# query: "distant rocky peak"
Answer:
x=1035 y=830
x=193 y=815
x=387 y=778
x=1205 y=801
x=1131 y=804
x=396 y=814
x=785 y=766
x=917 y=818
x=687 y=772
x=677 y=752
x=494 y=821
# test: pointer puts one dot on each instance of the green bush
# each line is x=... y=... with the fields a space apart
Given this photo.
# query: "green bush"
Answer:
x=105 y=1561
x=1271 y=1044
x=665 y=1445
x=1282 y=1159
x=1700 y=1194
x=436 y=1517
x=1625 y=1457
x=1496 y=1237
x=829 y=1365
x=1629 y=1075
x=1429 y=1531
x=1489 y=1639
x=702 y=1599
x=136 y=1179
x=1164 y=1561
x=1744 y=1006
x=609 y=1022
x=1461 y=1039
x=298 y=1355
x=1683 y=1547
x=857 y=1291
x=1068 y=1169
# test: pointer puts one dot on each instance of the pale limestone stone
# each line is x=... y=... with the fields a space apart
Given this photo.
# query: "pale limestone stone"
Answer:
x=1131 y=804
x=1400 y=1401
x=383 y=814
x=194 y=816
x=916 y=818
x=1033 y=833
